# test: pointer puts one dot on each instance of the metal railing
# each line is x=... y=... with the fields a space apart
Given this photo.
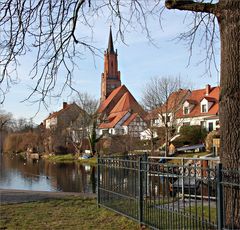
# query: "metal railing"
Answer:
x=169 y=195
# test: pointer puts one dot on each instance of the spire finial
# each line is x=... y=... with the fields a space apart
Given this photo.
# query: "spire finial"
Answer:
x=110 y=42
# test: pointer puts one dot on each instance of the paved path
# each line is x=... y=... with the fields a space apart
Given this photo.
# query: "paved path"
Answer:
x=9 y=196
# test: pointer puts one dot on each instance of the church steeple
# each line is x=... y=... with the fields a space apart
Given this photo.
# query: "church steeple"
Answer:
x=111 y=76
x=110 y=42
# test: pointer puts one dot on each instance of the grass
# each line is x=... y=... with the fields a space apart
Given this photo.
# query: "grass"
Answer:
x=70 y=158
x=90 y=161
x=67 y=158
x=68 y=213
x=195 y=217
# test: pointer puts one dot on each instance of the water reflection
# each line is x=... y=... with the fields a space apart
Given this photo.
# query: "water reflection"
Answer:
x=22 y=173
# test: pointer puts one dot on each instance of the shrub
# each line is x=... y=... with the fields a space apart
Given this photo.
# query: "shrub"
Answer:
x=190 y=135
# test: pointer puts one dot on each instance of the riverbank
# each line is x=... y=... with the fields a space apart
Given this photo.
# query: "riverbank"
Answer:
x=57 y=211
x=12 y=196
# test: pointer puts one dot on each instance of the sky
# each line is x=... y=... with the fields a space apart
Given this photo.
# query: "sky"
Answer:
x=139 y=60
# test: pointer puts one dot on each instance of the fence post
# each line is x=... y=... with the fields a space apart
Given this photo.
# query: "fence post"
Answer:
x=183 y=173
x=219 y=197
x=145 y=177
x=98 y=182
x=140 y=189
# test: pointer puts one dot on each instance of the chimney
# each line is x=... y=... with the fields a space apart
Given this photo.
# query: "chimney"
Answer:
x=208 y=89
x=65 y=105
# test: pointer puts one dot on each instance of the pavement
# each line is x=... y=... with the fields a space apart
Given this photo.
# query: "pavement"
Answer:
x=11 y=196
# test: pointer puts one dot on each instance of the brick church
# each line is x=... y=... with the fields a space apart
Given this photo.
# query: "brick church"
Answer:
x=119 y=113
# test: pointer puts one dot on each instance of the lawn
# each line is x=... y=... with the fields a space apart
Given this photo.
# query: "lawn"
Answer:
x=68 y=213
x=70 y=158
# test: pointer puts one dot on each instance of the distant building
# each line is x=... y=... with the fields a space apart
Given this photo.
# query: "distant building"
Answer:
x=119 y=113
x=64 y=117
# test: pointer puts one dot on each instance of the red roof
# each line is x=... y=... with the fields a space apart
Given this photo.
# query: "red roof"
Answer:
x=55 y=114
x=111 y=97
x=130 y=119
x=211 y=99
x=174 y=102
x=117 y=105
x=198 y=96
x=113 y=119
x=127 y=103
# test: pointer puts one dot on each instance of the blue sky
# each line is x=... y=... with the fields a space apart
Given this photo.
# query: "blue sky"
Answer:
x=138 y=61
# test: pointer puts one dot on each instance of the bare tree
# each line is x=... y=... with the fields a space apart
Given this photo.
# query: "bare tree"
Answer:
x=163 y=96
x=84 y=128
x=5 y=119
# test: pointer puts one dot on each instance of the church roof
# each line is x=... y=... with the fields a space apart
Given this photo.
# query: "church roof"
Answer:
x=112 y=120
x=112 y=97
x=130 y=119
x=126 y=103
x=121 y=102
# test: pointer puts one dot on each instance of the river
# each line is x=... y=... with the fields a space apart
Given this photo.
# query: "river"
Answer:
x=17 y=172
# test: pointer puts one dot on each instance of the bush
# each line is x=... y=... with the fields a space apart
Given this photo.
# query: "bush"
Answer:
x=190 y=135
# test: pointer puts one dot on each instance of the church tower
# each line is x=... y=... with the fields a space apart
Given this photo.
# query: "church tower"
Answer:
x=111 y=76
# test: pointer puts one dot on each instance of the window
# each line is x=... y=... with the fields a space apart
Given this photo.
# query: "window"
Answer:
x=210 y=126
x=186 y=123
x=168 y=118
x=204 y=108
x=202 y=124
x=185 y=110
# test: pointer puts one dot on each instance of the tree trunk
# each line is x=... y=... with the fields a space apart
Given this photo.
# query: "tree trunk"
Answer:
x=228 y=14
x=229 y=21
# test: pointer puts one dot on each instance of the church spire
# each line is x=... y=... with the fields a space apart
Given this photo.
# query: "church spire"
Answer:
x=111 y=78
x=110 y=42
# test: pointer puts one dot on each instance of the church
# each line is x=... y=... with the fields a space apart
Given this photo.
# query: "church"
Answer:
x=119 y=113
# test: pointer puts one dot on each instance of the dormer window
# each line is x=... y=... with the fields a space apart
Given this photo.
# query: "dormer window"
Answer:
x=185 y=110
x=204 y=108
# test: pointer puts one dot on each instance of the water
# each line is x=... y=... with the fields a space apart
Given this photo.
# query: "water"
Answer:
x=17 y=172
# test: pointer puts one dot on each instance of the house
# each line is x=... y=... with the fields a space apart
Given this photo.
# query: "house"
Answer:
x=201 y=108
x=166 y=114
x=185 y=107
x=119 y=113
x=64 y=117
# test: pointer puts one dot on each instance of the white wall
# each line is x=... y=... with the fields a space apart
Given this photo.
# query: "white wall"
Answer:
x=51 y=122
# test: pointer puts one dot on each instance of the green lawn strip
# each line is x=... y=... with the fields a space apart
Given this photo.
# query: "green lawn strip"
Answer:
x=61 y=158
x=70 y=158
x=90 y=161
x=68 y=213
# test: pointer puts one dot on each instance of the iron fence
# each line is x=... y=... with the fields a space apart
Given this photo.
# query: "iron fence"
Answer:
x=189 y=194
